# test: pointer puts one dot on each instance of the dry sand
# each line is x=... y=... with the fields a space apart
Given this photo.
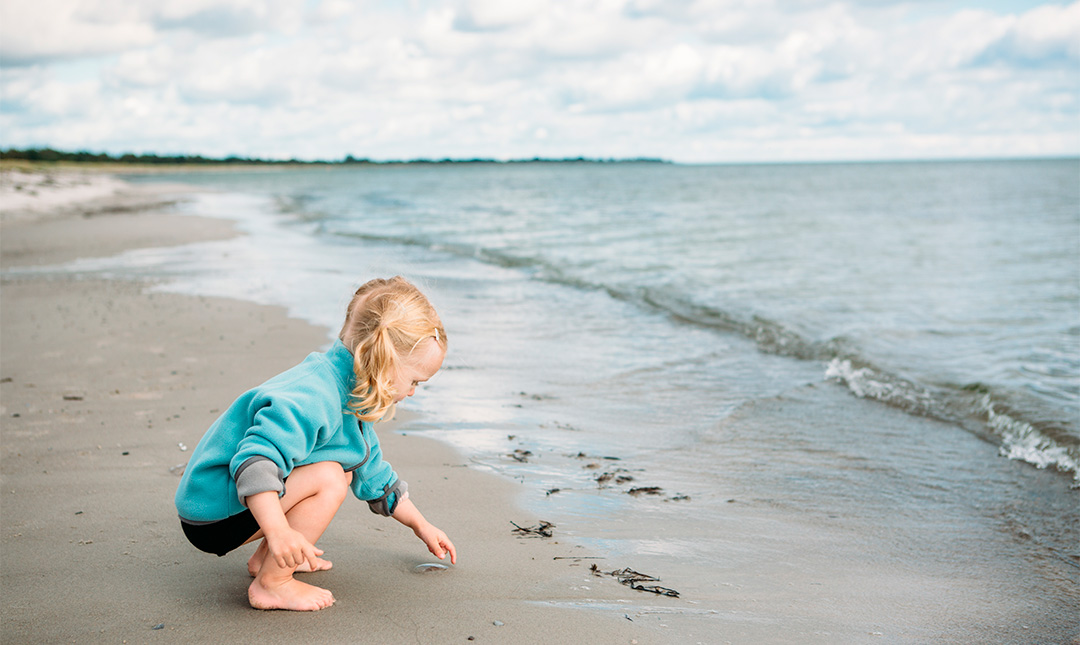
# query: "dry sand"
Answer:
x=104 y=385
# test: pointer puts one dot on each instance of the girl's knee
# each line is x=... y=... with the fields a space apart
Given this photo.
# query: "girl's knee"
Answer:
x=329 y=477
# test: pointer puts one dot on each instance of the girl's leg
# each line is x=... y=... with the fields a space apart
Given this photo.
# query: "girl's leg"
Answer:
x=313 y=494
x=256 y=560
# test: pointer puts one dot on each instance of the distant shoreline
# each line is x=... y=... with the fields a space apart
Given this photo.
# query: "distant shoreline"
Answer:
x=36 y=156
x=47 y=159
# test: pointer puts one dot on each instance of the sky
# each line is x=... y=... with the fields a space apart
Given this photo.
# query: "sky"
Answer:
x=695 y=81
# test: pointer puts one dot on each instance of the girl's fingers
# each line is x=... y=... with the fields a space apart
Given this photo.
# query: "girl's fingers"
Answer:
x=442 y=545
x=297 y=555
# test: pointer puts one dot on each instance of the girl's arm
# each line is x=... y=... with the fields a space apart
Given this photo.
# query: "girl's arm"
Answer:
x=288 y=546
x=436 y=541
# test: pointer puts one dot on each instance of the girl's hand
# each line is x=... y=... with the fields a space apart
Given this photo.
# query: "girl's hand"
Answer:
x=437 y=542
x=290 y=548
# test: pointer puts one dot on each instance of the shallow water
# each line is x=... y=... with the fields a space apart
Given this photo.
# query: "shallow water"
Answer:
x=947 y=289
x=844 y=378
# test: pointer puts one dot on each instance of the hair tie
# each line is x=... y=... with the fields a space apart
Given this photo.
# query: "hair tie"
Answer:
x=436 y=334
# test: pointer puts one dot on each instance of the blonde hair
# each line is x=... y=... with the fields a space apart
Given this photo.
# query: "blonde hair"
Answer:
x=384 y=323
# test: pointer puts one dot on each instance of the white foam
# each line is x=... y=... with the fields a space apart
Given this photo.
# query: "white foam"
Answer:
x=865 y=382
x=859 y=380
x=1020 y=440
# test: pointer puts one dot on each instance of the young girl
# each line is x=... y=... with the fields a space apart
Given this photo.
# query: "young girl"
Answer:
x=277 y=464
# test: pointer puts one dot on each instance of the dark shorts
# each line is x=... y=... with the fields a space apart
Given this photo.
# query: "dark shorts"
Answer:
x=223 y=536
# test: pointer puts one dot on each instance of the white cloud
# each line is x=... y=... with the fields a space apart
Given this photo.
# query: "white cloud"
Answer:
x=44 y=30
x=224 y=18
x=1045 y=34
x=690 y=80
x=495 y=15
x=329 y=11
x=151 y=67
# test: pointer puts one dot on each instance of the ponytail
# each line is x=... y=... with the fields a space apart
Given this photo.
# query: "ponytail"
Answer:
x=385 y=321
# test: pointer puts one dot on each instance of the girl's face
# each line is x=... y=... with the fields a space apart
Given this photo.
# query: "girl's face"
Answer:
x=425 y=360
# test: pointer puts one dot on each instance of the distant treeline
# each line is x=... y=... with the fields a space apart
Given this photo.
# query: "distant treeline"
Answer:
x=82 y=156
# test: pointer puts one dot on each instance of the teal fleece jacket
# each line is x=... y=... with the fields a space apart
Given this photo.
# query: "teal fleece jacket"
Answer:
x=294 y=419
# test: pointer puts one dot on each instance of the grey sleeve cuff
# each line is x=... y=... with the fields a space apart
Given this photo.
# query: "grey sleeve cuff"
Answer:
x=258 y=475
x=386 y=504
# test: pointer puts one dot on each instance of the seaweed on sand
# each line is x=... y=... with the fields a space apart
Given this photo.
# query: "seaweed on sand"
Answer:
x=543 y=529
x=521 y=455
x=634 y=580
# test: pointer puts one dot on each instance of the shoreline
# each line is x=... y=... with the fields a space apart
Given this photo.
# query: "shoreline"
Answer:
x=104 y=385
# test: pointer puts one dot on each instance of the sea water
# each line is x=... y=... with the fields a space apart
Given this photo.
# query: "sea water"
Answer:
x=841 y=378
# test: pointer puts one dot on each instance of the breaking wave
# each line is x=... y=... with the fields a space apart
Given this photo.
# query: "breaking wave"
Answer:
x=1026 y=431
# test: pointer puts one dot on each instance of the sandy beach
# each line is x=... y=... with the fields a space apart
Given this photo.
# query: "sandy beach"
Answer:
x=105 y=387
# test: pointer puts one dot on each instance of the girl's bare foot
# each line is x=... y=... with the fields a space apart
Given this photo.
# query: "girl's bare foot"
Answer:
x=290 y=594
x=256 y=561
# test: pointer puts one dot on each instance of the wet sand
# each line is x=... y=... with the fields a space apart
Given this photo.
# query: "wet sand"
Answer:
x=102 y=387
